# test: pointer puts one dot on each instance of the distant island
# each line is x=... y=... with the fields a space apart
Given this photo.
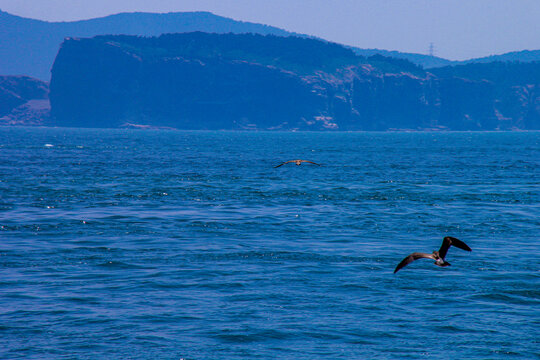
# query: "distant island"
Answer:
x=255 y=82
x=246 y=76
x=29 y=46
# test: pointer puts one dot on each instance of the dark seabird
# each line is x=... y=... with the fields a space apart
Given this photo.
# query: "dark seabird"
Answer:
x=438 y=256
x=297 y=162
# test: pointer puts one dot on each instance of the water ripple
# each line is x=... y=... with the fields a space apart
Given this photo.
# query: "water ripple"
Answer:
x=132 y=244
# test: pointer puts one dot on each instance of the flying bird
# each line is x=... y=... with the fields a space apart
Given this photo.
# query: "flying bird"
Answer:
x=297 y=162
x=438 y=256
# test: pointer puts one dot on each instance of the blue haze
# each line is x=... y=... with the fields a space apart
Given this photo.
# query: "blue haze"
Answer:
x=172 y=244
x=459 y=29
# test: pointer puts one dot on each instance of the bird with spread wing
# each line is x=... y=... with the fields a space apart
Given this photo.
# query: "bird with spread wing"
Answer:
x=438 y=256
x=297 y=162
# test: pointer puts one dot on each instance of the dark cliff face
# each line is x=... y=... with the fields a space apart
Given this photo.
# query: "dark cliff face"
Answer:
x=466 y=104
x=510 y=88
x=520 y=108
x=98 y=84
x=394 y=101
x=210 y=81
x=93 y=84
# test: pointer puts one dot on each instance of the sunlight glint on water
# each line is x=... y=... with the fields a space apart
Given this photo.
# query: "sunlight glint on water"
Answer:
x=134 y=244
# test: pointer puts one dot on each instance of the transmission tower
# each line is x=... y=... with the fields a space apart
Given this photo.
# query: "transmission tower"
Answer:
x=431 y=50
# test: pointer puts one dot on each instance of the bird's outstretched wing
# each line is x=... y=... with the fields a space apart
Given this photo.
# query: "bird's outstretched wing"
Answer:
x=311 y=162
x=293 y=161
x=414 y=256
x=451 y=241
x=283 y=163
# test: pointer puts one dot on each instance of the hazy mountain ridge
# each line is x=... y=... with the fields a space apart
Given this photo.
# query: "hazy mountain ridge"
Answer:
x=509 y=89
x=431 y=62
x=211 y=81
x=426 y=61
x=28 y=46
x=502 y=73
x=513 y=56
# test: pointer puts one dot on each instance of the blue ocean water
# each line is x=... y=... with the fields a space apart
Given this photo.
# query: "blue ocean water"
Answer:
x=126 y=244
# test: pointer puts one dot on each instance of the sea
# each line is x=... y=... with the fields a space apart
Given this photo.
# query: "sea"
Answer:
x=163 y=244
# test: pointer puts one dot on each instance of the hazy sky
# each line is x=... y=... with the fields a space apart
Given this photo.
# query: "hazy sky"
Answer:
x=459 y=29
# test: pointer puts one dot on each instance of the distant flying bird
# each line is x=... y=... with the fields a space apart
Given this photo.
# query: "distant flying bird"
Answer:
x=438 y=256
x=297 y=162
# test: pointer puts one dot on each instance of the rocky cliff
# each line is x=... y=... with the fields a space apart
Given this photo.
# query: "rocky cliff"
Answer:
x=513 y=86
x=23 y=101
x=211 y=81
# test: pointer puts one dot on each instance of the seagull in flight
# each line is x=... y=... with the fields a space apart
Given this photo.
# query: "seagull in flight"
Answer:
x=438 y=256
x=297 y=162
